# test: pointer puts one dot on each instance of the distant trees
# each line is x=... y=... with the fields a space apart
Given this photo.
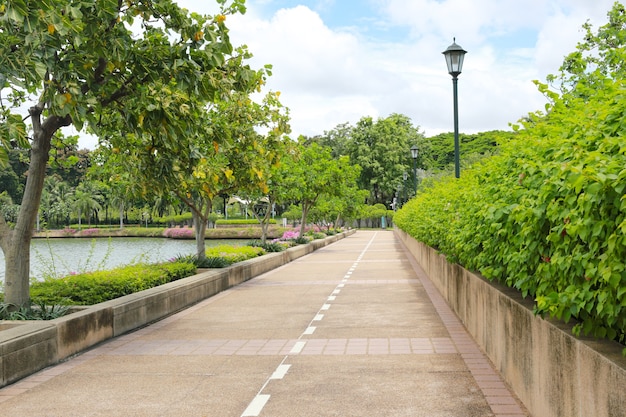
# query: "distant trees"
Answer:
x=437 y=152
x=312 y=178
x=380 y=148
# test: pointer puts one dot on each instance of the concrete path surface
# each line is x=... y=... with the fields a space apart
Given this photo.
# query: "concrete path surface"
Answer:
x=353 y=329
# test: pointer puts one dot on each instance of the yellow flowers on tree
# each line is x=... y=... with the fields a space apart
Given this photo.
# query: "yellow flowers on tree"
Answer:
x=79 y=63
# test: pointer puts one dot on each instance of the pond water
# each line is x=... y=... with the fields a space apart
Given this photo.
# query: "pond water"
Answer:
x=63 y=256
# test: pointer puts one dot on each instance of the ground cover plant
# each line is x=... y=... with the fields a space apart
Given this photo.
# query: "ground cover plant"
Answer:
x=34 y=311
x=547 y=215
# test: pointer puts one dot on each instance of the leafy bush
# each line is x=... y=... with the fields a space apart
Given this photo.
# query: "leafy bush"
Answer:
x=37 y=311
x=232 y=254
x=96 y=287
x=548 y=214
x=144 y=231
x=252 y=221
x=212 y=262
x=272 y=246
x=177 y=219
x=301 y=240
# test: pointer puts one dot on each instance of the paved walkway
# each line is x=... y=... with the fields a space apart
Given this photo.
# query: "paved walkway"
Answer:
x=353 y=329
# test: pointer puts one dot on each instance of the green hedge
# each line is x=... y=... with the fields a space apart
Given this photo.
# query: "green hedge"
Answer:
x=242 y=221
x=233 y=254
x=547 y=215
x=96 y=287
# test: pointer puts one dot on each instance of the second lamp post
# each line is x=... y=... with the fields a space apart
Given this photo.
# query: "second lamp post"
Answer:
x=414 y=153
x=454 y=59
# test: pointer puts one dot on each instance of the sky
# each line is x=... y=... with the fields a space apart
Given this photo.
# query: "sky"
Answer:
x=337 y=61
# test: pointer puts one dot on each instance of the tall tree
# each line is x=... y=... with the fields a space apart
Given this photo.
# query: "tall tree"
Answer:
x=311 y=174
x=232 y=156
x=382 y=149
x=78 y=62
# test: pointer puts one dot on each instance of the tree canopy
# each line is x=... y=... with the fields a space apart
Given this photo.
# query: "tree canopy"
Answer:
x=145 y=67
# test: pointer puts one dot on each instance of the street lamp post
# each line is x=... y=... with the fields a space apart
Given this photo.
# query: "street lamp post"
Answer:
x=454 y=59
x=404 y=178
x=414 y=153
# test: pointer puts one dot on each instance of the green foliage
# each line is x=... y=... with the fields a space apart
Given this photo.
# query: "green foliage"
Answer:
x=314 y=179
x=548 y=214
x=96 y=287
x=437 y=152
x=224 y=222
x=145 y=232
x=212 y=262
x=140 y=75
x=273 y=246
x=380 y=148
x=176 y=219
x=234 y=254
x=37 y=311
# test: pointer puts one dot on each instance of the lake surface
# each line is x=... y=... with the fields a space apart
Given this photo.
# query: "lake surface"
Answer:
x=64 y=256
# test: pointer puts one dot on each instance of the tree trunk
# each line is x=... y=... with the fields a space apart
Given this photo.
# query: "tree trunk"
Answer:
x=265 y=224
x=305 y=212
x=199 y=227
x=16 y=243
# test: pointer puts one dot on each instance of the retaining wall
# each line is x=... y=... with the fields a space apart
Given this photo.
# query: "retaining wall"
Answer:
x=554 y=373
x=26 y=347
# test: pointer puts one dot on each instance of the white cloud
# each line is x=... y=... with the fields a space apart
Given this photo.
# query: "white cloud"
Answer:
x=334 y=73
x=409 y=76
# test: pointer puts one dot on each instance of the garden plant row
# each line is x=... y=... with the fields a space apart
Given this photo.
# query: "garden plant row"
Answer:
x=547 y=214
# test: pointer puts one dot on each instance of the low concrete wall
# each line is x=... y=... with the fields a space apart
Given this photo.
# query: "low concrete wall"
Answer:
x=26 y=347
x=553 y=373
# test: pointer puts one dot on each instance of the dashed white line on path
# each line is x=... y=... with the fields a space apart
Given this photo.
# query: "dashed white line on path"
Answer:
x=280 y=372
x=297 y=348
x=255 y=407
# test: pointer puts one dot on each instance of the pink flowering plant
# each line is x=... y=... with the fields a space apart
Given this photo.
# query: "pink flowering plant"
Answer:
x=68 y=231
x=90 y=232
x=179 y=233
x=290 y=235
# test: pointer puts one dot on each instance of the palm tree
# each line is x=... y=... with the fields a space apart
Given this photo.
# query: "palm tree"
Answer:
x=61 y=194
x=84 y=201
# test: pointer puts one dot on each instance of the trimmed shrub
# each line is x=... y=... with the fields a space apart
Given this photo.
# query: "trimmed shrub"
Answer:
x=96 y=287
x=547 y=216
x=232 y=254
